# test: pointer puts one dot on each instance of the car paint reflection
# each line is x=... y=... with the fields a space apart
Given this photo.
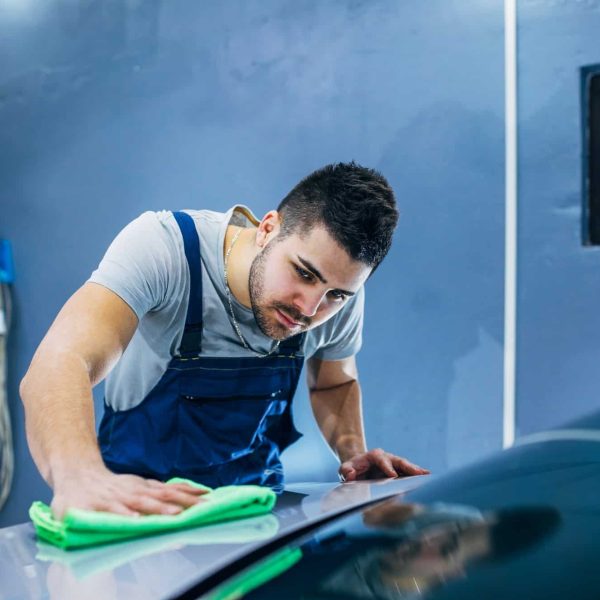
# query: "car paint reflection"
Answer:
x=394 y=550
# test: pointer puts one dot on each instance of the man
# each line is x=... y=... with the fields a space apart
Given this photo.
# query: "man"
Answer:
x=203 y=321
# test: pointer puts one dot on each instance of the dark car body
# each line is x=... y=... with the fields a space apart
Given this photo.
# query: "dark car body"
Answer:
x=522 y=523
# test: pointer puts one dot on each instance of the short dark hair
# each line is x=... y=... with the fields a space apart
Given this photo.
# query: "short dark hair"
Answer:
x=356 y=205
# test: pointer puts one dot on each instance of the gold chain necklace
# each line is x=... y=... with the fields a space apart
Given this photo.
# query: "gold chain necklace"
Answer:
x=234 y=320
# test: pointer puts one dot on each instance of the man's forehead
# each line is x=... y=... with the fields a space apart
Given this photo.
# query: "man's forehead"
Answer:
x=317 y=235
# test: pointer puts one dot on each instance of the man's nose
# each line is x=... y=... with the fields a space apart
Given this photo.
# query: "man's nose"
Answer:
x=308 y=301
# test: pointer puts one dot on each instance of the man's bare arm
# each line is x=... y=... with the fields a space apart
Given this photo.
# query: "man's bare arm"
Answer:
x=336 y=402
x=85 y=341
x=337 y=405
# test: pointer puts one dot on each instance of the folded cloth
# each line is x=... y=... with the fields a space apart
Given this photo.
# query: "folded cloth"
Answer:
x=81 y=528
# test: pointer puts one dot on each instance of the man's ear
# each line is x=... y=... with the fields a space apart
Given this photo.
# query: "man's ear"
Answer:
x=268 y=228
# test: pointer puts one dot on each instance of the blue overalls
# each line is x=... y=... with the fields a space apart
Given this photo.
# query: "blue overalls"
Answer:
x=218 y=421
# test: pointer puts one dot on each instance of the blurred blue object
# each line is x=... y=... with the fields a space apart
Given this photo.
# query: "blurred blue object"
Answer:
x=7 y=268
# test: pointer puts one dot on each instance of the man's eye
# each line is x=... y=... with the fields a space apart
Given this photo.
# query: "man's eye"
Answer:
x=303 y=273
x=337 y=294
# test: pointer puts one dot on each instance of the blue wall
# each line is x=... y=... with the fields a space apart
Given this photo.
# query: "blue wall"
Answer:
x=110 y=108
x=558 y=341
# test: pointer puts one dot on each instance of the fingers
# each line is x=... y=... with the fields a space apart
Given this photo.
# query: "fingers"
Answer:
x=404 y=467
x=354 y=468
x=394 y=466
x=184 y=487
x=347 y=472
x=155 y=497
x=128 y=495
x=180 y=496
x=383 y=461
x=376 y=464
x=370 y=465
x=147 y=505
x=117 y=508
x=58 y=508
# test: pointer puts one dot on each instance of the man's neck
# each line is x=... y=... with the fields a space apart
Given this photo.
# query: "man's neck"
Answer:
x=240 y=260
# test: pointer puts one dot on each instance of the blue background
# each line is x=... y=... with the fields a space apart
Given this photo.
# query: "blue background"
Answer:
x=112 y=107
x=559 y=284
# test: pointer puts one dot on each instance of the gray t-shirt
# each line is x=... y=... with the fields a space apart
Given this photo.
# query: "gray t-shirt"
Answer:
x=146 y=266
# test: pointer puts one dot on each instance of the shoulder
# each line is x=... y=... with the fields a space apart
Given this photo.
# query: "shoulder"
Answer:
x=163 y=225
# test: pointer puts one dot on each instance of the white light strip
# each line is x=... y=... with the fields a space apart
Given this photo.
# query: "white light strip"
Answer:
x=510 y=227
x=560 y=435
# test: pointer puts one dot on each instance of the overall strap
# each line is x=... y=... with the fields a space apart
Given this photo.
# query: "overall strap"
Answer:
x=190 y=342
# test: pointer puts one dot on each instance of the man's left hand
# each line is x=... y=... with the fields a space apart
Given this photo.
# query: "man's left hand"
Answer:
x=377 y=464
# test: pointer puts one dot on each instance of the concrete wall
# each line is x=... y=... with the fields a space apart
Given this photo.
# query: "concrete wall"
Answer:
x=112 y=107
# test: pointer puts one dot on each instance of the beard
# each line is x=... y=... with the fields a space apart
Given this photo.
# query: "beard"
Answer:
x=270 y=326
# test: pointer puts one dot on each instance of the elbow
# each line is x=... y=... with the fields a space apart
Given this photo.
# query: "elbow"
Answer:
x=24 y=386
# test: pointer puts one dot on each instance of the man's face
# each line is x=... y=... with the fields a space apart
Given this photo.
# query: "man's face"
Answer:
x=297 y=283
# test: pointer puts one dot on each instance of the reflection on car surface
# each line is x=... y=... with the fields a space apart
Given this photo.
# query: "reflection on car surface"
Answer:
x=391 y=550
x=523 y=523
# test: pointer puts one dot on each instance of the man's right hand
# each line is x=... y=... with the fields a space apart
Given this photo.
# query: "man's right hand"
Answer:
x=102 y=490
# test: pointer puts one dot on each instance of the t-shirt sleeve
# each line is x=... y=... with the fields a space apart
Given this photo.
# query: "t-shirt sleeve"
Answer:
x=139 y=264
x=341 y=336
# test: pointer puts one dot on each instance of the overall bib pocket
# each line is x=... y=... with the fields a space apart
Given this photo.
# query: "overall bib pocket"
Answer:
x=214 y=430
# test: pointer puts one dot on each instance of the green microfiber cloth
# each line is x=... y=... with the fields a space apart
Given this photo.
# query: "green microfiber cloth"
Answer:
x=81 y=528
